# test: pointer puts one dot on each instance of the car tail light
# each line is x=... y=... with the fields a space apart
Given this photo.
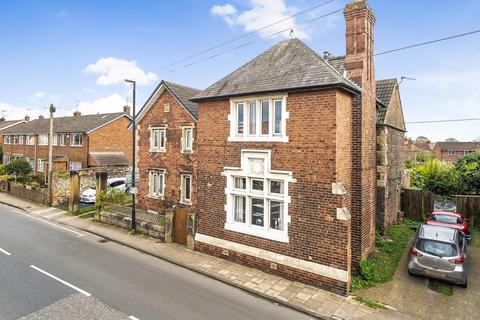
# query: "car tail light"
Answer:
x=460 y=260
x=415 y=252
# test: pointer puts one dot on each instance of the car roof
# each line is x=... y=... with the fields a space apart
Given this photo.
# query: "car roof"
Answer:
x=438 y=233
x=448 y=213
x=115 y=179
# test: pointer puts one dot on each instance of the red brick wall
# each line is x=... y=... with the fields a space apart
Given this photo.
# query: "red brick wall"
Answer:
x=360 y=68
x=173 y=161
x=312 y=155
x=115 y=137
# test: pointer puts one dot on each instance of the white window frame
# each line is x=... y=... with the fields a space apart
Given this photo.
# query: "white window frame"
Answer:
x=152 y=174
x=62 y=140
x=41 y=165
x=20 y=140
x=6 y=139
x=187 y=148
x=15 y=139
x=451 y=152
x=183 y=198
x=162 y=130
x=55 y=140
x=258 y=136
x=72 y=139
x=75 y=165
x=43 y=139
x=30 y=140
x=256 y=164
x=6 y=158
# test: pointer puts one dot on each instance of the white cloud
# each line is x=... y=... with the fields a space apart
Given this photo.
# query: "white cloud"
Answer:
x=17 y=113
x=112 y=103
x=55 y=96
x=112 y=71
x=261 y=14
x=38 y=95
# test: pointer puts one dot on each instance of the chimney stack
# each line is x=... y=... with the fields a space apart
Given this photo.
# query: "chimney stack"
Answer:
x=27 y=118
x=126 y=109
x=359 y=67
x=41 y=117
x=77 y=114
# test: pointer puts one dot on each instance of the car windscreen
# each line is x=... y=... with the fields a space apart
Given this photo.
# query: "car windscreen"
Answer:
x=436 y=248
x=443 y=218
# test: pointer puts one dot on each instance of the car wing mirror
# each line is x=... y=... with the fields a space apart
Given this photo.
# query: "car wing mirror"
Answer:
x=468 y=237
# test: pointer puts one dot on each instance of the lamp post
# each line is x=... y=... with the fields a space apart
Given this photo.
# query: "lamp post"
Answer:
x=134 y=129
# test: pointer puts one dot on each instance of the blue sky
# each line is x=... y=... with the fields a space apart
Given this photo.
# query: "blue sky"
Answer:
x=75 y=53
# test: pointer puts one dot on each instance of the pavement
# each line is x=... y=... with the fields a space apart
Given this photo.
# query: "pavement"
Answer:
x=310 y=301
x=425 y=303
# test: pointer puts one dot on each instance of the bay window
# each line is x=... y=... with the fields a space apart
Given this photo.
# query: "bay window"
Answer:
x=258 y=119
x=257 y=197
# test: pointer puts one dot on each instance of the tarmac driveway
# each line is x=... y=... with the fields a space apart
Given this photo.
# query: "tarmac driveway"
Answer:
x=411 y=295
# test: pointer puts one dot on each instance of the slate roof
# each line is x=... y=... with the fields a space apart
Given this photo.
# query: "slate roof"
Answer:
x=79 y=124
x=184 y=93
x=385 y=90
x=108 y=159
x=4 y=124
x=290 y=64
x=459 y=146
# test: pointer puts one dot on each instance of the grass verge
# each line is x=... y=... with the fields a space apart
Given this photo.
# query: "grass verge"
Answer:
x=369 y=302
x=382 y=263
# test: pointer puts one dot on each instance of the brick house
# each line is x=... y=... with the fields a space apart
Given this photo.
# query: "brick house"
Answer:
x=287 y=160
x=454 y=150
x=79 y=141
x=166 y=131
x=5 y=124
x=415 y=148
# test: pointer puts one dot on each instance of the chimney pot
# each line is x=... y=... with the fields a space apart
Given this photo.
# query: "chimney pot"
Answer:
x=41 y=117
x=327 y=55
x=27 y=118
x=126 y=109
x=77 y=114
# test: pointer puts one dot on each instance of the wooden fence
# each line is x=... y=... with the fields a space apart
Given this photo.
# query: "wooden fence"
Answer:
x=469 y=206
x=416 y=204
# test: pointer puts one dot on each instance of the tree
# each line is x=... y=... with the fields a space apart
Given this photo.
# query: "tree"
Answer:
x=468 y=168
x=437 y=177
x=18 y=167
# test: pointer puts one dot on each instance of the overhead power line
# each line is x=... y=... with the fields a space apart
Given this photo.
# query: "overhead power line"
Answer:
x=428 y=42
x=247 y=34
x=447 y=120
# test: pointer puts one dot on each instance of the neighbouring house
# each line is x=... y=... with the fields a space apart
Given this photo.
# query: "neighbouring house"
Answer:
x=167 y=151
x=79 y=141
x=5 y=124
x=390 y=133
x=287 y=169
x=414 y=148
x=454 y=150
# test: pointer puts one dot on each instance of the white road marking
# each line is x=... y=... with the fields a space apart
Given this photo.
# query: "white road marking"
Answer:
x=5 y=252
x=52 y=224
x=61 y=281
x=133 y=318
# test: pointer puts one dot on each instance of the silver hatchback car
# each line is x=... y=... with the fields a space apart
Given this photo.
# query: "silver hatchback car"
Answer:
x=441 y=253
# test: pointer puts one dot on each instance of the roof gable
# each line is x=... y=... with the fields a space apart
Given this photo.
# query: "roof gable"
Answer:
x=290 y=64
x=180 y=92
x=10 y=123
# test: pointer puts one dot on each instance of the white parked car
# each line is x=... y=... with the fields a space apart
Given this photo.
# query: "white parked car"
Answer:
x=88 y=196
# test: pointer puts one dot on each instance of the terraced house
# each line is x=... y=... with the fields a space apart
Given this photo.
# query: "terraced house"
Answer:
x=287 y=159
x=79 y=141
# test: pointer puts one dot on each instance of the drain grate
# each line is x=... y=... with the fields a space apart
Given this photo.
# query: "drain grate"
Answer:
x=103 y=240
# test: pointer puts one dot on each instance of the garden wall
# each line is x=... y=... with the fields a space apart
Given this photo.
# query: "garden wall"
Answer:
x=25 y=192
x=61 y=181
x=416 y=204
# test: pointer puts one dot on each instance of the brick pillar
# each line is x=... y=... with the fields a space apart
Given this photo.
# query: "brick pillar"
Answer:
x=74 y=198
x=359 y=65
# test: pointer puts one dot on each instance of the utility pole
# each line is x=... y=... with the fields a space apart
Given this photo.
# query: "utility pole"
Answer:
x=50 y=155
x=134 y=129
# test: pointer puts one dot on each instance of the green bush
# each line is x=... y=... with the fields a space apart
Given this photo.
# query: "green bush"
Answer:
x=468 y=168
x=2 y=170
x=116 y=196
x=437 y=177
x=18 y=167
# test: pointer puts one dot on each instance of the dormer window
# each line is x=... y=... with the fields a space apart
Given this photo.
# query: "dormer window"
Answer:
x=258 y=119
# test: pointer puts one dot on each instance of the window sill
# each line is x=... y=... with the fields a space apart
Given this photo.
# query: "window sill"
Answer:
x=157 y=151
x=151 y=196
x=187 y=203
x=279 y=236
x=259 y=139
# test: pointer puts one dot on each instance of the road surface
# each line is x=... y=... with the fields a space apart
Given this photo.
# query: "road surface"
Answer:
x=49 y=271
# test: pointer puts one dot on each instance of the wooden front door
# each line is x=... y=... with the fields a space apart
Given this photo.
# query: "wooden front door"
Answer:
x=180 y=226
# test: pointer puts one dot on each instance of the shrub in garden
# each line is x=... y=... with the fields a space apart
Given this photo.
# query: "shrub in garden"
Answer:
x=468 y=168
x=18 y=168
